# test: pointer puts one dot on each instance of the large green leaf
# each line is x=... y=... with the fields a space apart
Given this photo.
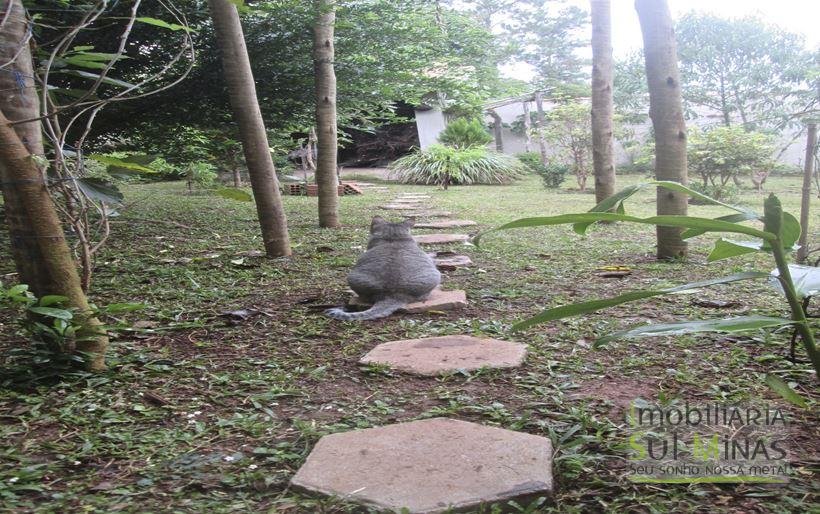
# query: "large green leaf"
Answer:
x=731 y=218
x=120 y=163
x=675 y=186
x=94 y=77
x=164 y=24
x=782 y=388
x=100 y=190
x=234 y=194
x=725 y=249
x=614 y=202
x=738 y=324
x=576 y=309
x=790 y=232
x=51 y=312
x=706 y=224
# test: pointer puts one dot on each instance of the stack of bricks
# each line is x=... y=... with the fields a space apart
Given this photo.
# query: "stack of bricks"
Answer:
x=313 y=189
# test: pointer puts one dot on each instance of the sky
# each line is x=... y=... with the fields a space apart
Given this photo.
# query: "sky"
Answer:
x=799 y=16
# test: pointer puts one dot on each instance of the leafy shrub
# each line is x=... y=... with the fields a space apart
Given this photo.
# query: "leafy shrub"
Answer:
x=446 y=165
x=552 y=174
x=726 y=193
x=726 y=153
x=203 y=174
x=464 y=133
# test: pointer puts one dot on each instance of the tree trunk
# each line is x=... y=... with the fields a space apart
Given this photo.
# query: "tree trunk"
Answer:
x=325 y=79
x=245 y=106
x=666 y=112
x=237 y=176
x=808 y=173
x=527 y=129
x=602 y=153
x=499 y=141
x=540 y=122
x=38 y=246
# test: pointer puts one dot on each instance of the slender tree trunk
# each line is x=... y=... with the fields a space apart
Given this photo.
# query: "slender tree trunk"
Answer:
x=540 y=122
x=724 y=105
x=497 y=134
x=242 y=91
x=602 y=153
x=38 y=246
x=808 y=172
x=527 y=129
x=237 y=176
x=666 y=112
x=325 y=78
x=311 y=146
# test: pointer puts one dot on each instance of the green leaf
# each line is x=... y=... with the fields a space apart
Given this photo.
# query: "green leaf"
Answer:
x=738 y=324
x=95 y=77
x=100 y=190
x=725 y=249
x=17 y=290
x=706 y=224
x=615 y=201
x=234 y=194
x=164 y=24
x=51 y=299
x=82 y=63
x=790 y=231
x=731 y=218
x=120 y=163
x=780 y=387
x=123 y=307
x=585 y=307
x=675 y=186
x=51 y=312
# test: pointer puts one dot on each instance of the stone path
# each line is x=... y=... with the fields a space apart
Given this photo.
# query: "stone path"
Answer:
x=433 y=465
x=436 y=355
x=429 y=466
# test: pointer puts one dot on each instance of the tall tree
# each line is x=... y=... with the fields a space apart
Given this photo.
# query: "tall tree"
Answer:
x=666 y=112
x=325 y=84
x=747 y=70
x=41 y=254
x=242 y=92
x=805 y=200
x=602 y=133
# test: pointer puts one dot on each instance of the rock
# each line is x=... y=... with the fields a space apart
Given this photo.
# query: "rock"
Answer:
x=426 y=214
x=446 y=224
x=437 y=239
x=398 y=207
x=438 y=300
x=451 y=263
x=429 y=466
x=436 y=355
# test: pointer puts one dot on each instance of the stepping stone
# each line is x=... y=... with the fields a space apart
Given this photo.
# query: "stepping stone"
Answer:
x=437 y=239
x=426 y=214
x=446 y=224
x=452 y=262
x=439 y=300
x=401 y=207
x=414 y=196
x=432 y=356
x=429 y=466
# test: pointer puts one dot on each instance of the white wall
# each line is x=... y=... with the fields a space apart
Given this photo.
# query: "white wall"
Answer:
x=429 y=124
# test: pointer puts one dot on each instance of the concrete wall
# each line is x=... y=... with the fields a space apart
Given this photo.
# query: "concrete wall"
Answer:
x=431 y=122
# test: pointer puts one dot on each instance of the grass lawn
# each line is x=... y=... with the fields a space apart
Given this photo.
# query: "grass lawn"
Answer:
x=203 y=414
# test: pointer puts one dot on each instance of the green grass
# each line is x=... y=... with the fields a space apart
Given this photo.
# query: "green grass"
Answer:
x=242 y=405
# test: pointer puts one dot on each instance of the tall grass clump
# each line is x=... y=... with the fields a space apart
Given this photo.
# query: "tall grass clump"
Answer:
x=445 y=165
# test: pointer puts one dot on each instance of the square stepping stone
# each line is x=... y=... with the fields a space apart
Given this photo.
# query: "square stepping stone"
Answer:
x=436 y=355
x=429 y=466
x=446 y=224
x=414 y=196
x=438 y=239
x=398 y=207
x=439 y=300
x=426 y=214
x=452 y=262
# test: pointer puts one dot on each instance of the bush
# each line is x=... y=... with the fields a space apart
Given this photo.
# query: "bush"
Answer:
x=728 y=153
x=203 y=174
x=726 y=193
x=552 y=174
x=464 y=133
x=446 y=165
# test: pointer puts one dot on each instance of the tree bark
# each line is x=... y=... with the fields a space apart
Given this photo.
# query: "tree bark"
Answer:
x=666 y=112
x=540 y=122
x=326 y=145
x=805 y=201
x=38 y=245
x=245 y=106
x=497 y=134
x=602 y=153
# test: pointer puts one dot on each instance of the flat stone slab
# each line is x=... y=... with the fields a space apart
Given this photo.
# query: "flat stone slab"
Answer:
x=452 y=262
x=403 y=207
x=446 y=224
x=432 y=356
x=429 y=466
x=437 y=239
x=414 y=196
x=439 y=300
x=427 y=214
